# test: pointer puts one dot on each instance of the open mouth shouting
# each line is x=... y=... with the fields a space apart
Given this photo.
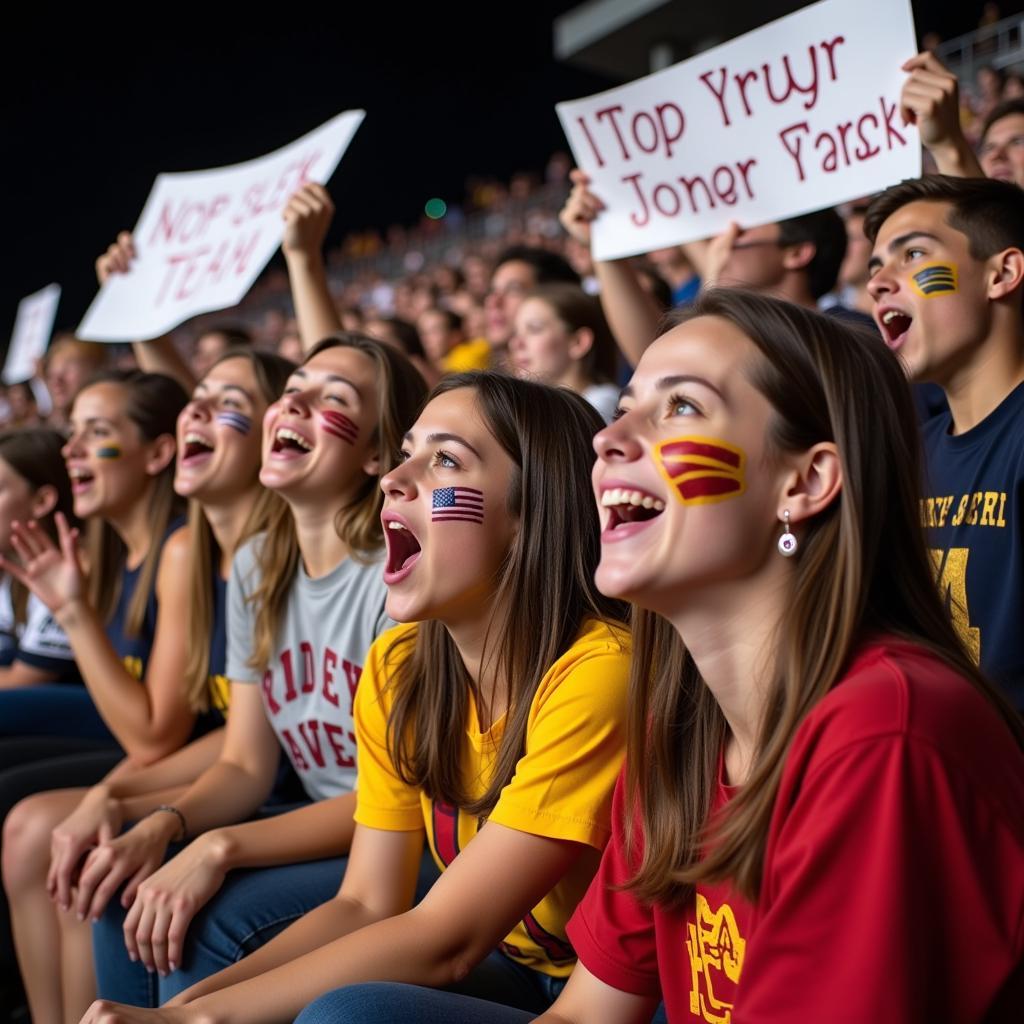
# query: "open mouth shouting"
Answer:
x=628 y=510
x=290 y=444
x=894 y=324
x=81 y=479
x=402 y=546
x=198 y=448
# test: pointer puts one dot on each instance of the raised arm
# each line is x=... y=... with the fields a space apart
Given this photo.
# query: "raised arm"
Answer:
x=159 y=355
x=149 y=719
x=632 y=313
x=930 y=99
x=306 y=220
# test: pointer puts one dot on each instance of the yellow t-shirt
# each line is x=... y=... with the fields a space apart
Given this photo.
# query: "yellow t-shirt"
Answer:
x=468 y=355
x=562 y=788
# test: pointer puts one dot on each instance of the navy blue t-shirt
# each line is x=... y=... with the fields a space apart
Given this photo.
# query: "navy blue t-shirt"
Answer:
x=974 y=512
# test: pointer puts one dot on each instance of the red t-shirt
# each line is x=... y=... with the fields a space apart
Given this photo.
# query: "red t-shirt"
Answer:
x=893 y=880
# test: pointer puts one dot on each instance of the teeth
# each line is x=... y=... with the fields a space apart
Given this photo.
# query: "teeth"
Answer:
x=890 y=315
x=393 y=525
x=196 y=439
x=622 y=496
x=284 y=434
x=78 y=474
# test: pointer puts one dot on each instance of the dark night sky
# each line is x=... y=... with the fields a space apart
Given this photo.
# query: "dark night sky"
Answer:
x=91 y=113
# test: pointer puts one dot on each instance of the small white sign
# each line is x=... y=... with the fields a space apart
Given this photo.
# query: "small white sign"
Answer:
x=204 y=236
x=32 y=328
x=797 y=115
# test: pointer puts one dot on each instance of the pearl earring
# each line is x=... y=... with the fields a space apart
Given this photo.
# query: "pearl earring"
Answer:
x=787 y=542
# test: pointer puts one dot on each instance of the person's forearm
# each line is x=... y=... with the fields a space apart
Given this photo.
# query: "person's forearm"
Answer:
x=957 y=159
x=179 y=769
x=162 y=356
x=323 y=829
x=122 y=701
x=390 y=950
x=632 y=314
x=314 y=308
x=224 y=794
x=18 y=674
x=322 y=925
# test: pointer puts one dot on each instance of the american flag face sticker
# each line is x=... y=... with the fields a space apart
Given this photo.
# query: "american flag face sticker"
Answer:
x=702 y=470
x=236 y=420
x=339 y=425
x=457 y=505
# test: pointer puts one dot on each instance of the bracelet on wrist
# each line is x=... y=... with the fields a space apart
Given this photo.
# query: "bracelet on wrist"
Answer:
x=168 y=809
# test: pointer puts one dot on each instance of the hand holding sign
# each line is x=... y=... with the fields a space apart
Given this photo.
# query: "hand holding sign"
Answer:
x=204 y=236
x=117 y=259
x=800 y=114
x=307 y=217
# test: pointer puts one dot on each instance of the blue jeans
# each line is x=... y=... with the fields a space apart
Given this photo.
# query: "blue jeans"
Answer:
x=251 y=908
x=51 y=709
x=497 y=991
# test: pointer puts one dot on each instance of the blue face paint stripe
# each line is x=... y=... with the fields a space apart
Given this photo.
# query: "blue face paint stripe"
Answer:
x=236 y=420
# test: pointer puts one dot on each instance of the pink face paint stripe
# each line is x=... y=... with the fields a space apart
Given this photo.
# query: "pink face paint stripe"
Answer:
x=236 y=420
x=339 y=425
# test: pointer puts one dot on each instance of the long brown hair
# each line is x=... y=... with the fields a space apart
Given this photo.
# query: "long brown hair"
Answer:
x=400 y=393
x=34 y=453
x=153 y=402
x=862 y=568
x=271 y=372
x=546 y=587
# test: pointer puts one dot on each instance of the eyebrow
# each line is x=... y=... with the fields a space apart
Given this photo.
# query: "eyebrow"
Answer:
x=91 y=420
x=228 y=387
x=664 y=383
x=901 y=240
x=333 y=378
x=437 y=438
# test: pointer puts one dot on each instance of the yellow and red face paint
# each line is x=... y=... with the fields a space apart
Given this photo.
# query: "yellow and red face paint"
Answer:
x=702 y=470
x=935 y=279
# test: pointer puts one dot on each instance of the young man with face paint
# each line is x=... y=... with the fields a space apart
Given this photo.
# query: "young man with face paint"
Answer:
x=947 y=278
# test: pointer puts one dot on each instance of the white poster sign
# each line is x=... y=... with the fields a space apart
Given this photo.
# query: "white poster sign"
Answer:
x=204 y=236
x=799 y=114
x=32 y=328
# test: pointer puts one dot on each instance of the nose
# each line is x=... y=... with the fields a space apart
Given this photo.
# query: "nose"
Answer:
x=617 y=443
x=71 y=447
x=399 y=483
x=880 y=284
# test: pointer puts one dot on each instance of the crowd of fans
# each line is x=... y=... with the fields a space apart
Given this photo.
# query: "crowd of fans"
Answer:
x=741 y=742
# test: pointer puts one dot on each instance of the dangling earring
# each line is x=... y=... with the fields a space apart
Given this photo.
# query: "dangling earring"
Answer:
x=787 y=542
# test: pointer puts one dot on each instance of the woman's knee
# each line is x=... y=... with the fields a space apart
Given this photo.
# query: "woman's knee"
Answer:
x=26 y=838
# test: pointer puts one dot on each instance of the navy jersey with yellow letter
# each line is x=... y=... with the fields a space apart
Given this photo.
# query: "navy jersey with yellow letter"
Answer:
x=972 y=509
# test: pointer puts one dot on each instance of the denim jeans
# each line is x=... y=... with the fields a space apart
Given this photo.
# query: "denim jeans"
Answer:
x=497 y=991
x=51 y=709
x=251 y=907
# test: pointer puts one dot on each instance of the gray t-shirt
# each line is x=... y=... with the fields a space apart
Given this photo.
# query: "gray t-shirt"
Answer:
x=308 y=688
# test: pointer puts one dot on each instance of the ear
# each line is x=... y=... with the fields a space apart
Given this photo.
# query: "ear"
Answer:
x=371 y=467
x=161 y=454
x=812 y=484
x=582 y=342
x=44 y=501
x=1007 y=269
x=798 y=255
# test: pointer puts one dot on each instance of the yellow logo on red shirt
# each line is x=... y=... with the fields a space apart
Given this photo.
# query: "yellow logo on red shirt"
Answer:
x=716 y=949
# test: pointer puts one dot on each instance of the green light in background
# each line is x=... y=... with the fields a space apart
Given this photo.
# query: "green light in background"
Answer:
x=435 y=209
